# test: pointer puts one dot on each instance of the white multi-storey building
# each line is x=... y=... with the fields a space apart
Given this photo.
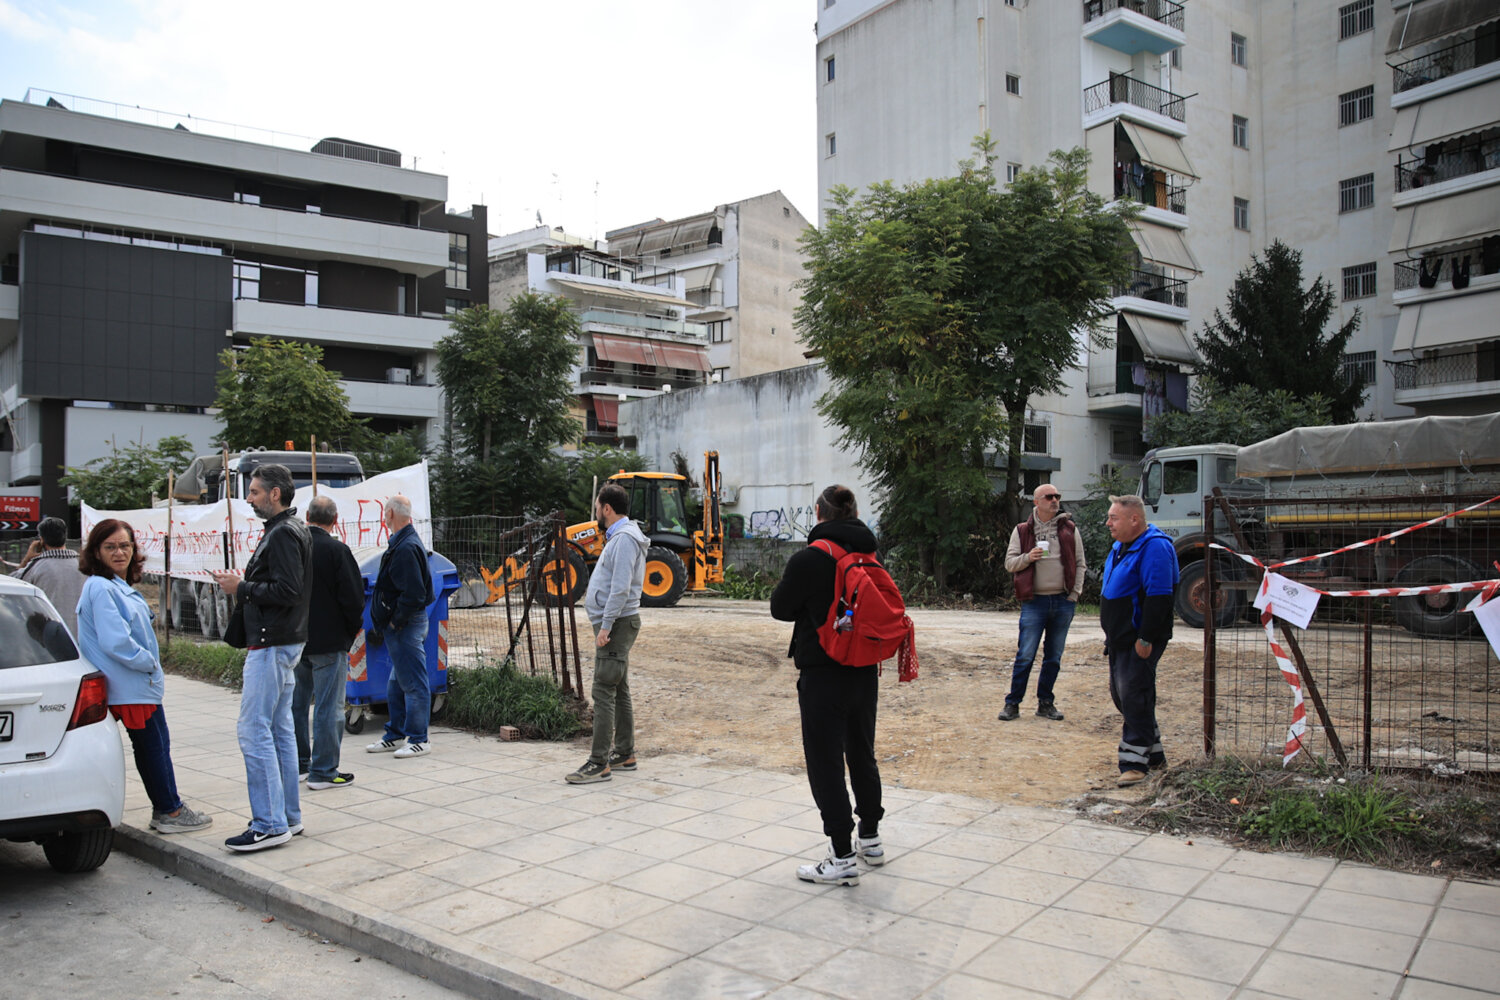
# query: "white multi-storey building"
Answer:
x=1233 y=123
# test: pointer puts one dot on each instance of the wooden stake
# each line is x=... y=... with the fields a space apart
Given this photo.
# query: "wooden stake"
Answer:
x=312 y=444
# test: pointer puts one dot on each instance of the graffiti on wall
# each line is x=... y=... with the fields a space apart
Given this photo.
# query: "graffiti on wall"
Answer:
x=785 y=523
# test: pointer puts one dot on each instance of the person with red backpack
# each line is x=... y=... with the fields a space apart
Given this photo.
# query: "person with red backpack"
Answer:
x=837 y=700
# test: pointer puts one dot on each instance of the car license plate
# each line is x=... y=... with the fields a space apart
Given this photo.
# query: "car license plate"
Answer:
x=7 y=726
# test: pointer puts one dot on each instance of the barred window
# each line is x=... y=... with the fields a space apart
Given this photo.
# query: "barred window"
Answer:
x=1239 y=131
x=1242 y=214
x=1361 y=364
x=1356 y=18
x=1034 y=439
x=1359 y=281
x=1237 y=49
x=1356 y=106
x=1126 y=441
x=1356 y=193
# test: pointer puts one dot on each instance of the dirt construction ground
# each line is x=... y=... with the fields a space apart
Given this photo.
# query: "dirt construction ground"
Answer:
x=711 y=676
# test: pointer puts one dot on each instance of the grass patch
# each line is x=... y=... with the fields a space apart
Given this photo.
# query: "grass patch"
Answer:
x=1383 y=818
x=741 y=586
x=212 y=662
x=489 y=696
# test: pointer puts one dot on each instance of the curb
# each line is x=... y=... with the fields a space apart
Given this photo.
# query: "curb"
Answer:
x=445 y=966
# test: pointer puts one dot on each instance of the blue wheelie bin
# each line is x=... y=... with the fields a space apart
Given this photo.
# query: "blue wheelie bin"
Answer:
x=370 y=666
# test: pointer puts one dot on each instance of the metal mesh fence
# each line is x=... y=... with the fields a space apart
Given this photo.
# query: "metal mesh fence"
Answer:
x=1402 y=681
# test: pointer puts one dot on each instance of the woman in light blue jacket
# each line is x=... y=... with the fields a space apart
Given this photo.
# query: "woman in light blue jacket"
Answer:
x=115 y=634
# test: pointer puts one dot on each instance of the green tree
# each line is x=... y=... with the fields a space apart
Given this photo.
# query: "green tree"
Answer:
x=126 y=478
x=278 y=391
x=379 y=453
x=939 y=309
x=1241 y=415
x=506 y=374
x=1273 y=337
x=595 y=462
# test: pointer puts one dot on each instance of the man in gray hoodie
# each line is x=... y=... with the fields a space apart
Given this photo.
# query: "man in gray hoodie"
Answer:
x=613 y=603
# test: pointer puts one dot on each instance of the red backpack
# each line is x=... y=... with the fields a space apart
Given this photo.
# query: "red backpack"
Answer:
x=867 y=621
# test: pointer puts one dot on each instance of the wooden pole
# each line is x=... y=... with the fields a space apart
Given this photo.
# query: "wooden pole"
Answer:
x=166 y=594
x=312 y=444
x=226 y=489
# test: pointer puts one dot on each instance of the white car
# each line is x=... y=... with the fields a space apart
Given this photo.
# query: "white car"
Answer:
x=62 y=765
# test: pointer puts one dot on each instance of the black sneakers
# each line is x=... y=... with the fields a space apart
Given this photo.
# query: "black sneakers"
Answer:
x=252 y=840
x=1048 y=710
x=621 y=762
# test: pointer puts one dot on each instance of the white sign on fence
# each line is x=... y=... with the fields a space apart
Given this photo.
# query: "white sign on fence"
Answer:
x=198 y=530
x=1291 y=601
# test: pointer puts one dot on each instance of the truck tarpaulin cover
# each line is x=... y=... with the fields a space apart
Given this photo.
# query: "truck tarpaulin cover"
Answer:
x=197 y=531
x=1415 y=444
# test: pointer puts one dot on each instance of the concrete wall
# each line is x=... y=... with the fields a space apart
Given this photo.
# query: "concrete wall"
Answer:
x=775 y=452
x=769 y=267
x=92 y=431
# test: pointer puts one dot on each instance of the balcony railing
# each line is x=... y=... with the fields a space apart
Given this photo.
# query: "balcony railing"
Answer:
x=1154 y=191
x=1154 y=287
x=1456 y=158
x=1451 y=369
x=639 y=321
x=1127 y=90
x=1100 y=385
x=1430 y=272
x=1444 y=62
x=1165 y=11
x=639 y=380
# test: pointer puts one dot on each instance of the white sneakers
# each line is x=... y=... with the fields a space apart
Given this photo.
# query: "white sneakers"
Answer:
x=869 y=850
x=414 y=750
x=399 y=748
x=832 y=870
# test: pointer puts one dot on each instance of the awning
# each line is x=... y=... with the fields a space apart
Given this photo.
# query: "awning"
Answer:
x=1422 y=22
x=698 y=278
x=617 y=291
x=684 y=356
x=623 y=350
x=606 y=412
x=1160 y=339
x=1163 y=245
x=1455 y=219
x=1463 y=319
x=1444 y=117
x=1157 y=149
x=664 y=236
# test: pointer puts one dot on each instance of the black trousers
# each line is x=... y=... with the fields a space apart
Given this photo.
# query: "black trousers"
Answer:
x=1132 y=685
x=838 y=728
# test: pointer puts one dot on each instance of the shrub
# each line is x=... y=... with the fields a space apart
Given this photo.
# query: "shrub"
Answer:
x=489 y=696
x=754 y=586
x=213 y=662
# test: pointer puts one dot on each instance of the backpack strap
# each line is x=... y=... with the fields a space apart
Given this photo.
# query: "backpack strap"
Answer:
x=834 y=550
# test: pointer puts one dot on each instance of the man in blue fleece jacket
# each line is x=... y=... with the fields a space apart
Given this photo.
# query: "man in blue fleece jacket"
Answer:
x=1135 y=610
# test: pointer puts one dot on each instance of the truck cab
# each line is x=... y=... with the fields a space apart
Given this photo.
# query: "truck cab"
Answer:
x=203 y=480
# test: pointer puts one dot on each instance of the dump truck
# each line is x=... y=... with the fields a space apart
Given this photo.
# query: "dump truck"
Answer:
x=195 y=604
x=1412 y=458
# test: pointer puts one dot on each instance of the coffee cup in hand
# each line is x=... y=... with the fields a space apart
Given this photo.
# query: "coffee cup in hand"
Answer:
x=1046 y=548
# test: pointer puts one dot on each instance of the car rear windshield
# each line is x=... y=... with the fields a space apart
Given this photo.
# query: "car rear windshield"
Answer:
x=31 y=633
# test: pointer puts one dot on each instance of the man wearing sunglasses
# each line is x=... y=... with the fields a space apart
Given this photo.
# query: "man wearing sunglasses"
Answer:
x=1046 y=559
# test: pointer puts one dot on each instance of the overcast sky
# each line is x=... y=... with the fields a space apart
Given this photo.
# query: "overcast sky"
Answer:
x=595 y=113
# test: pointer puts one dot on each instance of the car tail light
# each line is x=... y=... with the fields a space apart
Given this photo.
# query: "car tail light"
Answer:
x=93 y=701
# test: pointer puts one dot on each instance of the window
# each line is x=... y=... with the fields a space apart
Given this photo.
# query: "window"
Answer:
x=1355 y=18
x=1034 y=439
x=828 y=69
x=1237 y=49
x=1010 y=3
x=1239 y=131
x=1012 y=171
x=1125 y=441
x=1012 y=84
x=1360 y=364
x=716 y=331
x=1356 y=106
x=453 y=306
x=830 y=144
x=1242 y=214
x=1180 y=476
x=719 y=375
x=1356 y=193
x=1177 y=59
x=1359 y=281
x=246 y=280
x=458 y=260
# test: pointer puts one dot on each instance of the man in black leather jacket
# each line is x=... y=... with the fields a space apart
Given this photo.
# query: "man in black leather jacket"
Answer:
x=275 y=598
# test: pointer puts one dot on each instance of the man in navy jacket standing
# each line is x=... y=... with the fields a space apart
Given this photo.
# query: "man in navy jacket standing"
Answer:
x=1135 y=610
x=334 y=616
x=398 y=613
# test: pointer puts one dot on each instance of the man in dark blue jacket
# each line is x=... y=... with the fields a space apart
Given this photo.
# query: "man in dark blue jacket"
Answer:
x=398 y=613
x=336 y=611
x=1135 y=610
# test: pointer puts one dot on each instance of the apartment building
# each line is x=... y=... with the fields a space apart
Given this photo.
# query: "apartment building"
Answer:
x=740 y=265
x=1232 y=123
x=635 y=337
x=136 y=246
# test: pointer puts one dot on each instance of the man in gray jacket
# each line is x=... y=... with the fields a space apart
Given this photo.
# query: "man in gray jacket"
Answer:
x=613 y=603
x=52 y=566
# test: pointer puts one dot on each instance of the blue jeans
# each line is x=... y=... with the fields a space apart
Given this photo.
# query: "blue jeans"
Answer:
x=408 y=696
x=153 y=760
x=1052 y=613
x=320 y=683
x=267 y=739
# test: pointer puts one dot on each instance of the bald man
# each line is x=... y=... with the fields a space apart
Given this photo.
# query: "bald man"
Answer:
x=1046 y=560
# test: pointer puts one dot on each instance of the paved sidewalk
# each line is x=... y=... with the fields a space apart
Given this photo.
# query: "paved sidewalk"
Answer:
x=480 y=868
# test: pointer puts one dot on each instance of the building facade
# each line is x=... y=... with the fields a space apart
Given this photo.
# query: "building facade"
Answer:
x=635 y=337
x=135 y=248
x=740 y=265
x=1232 y=123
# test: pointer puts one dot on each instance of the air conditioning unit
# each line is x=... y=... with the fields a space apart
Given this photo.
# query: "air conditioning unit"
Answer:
x=398 y=376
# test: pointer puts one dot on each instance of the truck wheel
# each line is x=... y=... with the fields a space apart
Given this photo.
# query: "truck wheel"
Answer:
x=1435 y=614
x=79 y=852
x=1192 y=596
x=561 y=579
x=204 y=606
x=666 y=578
x=184 y=605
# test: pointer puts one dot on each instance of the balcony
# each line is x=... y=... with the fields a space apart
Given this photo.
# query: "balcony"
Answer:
x=1154 y=287
x=594 y=379
x=328 y=325
x=641 y=321
x=1118 y=90
x=1442 y=63
x=1155 y=190
x=1132 y=26
x=1451 y=369
x=1447 y=161
x=393 y=399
